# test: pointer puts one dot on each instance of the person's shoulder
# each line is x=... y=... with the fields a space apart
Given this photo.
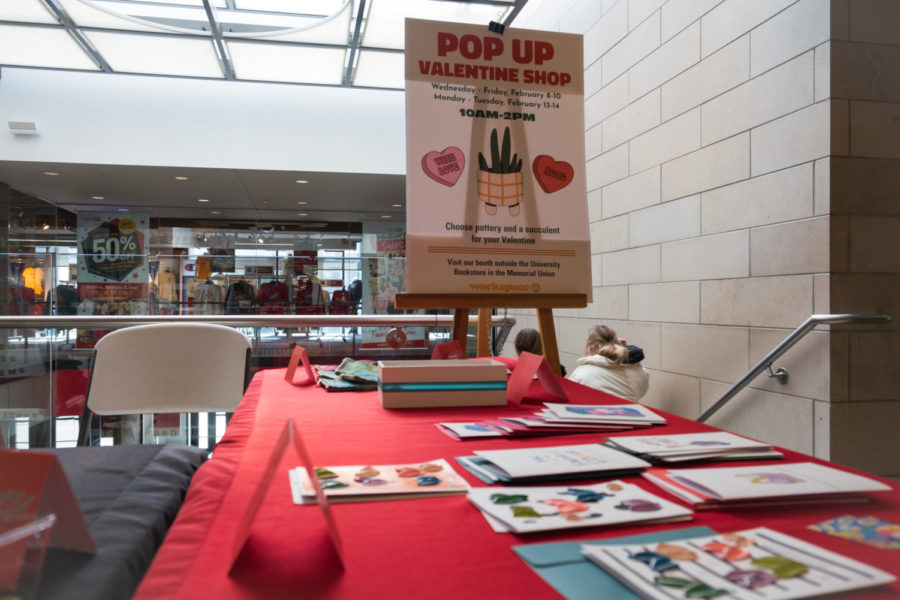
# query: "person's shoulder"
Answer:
x=594 y=360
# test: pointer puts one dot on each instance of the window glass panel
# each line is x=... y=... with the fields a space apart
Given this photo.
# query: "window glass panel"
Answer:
x=334 y=30
x=110 y=14
x=127 y=3
x=27 y=11
x=384 y=27
x=157 y=54
x=41 y=47
x=380 y=69
x=281 y=62
x=309 y=7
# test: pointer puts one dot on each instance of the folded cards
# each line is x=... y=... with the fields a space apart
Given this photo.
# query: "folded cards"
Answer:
x=381 y=482
x=783 y=484
x=756 y=563
x=710 y=445
x=528 y=509
x=558 y=418
x=633 y=414
x=550 y=463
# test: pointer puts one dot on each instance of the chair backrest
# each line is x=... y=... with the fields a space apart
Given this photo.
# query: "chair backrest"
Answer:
x=181 y=367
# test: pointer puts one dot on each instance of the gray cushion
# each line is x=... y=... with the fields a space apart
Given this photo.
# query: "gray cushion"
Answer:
x=129 y=496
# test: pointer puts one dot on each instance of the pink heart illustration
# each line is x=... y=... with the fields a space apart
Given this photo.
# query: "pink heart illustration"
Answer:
x=444 y=167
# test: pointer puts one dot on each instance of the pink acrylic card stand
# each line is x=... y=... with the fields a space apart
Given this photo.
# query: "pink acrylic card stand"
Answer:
x=523 y=376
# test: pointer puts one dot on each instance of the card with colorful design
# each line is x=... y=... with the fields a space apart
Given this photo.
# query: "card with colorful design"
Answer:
x=632 y=413
x=551 y=463
x=528 y=509
x=867 y=530
x=471 y=430
x=759 y=564
x=709 y=445
x=785 y=482
x=696 y=443
x=378 y=482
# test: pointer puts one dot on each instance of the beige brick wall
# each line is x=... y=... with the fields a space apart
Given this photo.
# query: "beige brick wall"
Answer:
x=865 y=249
x=742 y=170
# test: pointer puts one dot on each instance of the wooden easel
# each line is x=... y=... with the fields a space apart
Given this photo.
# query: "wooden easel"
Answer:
x=461 y=303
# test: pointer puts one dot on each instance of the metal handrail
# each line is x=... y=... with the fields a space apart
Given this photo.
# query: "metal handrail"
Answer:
x=784 y=346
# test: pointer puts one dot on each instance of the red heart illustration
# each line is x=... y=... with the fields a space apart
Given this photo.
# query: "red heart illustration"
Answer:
x=444 y=167
x=550 y=174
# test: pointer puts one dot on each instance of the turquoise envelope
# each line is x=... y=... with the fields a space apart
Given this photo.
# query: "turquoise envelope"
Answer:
x=562 y=565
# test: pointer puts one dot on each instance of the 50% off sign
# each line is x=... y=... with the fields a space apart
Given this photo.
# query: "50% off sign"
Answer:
x=113 y=249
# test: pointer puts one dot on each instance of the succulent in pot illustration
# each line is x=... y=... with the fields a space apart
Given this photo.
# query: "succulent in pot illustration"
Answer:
x=500 y=183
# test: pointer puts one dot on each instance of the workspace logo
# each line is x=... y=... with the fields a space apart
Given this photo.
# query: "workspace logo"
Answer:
x=505 y=287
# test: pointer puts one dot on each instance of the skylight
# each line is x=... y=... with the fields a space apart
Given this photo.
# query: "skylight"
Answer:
x=351 y=43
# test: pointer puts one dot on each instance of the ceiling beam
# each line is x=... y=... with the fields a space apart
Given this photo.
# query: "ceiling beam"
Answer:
x=66 y=21
x=520 y=4
x=221 y=50
x=355 y=42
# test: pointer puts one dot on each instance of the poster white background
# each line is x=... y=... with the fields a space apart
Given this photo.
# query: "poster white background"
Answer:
x=460 y=241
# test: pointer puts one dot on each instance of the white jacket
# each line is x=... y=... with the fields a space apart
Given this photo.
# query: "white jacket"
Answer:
x=629 y=381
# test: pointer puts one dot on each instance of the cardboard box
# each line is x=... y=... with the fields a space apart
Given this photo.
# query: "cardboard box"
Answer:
x=432 y=383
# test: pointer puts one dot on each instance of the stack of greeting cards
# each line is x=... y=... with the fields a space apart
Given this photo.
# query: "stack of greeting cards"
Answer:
x=712 y=445
x=781 y=484
x=551 y=463
x=760 y=563
x=527 y=509
x=520 y=427
x=381 y=482
x=557 y=419
x=628 y=415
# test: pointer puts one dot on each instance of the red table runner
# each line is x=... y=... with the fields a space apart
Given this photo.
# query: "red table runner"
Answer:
x=422 y=548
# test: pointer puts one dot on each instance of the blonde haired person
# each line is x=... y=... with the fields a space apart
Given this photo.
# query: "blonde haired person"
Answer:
x=611 y=366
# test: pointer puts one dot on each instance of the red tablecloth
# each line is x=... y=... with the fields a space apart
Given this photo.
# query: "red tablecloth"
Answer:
x=423 y=548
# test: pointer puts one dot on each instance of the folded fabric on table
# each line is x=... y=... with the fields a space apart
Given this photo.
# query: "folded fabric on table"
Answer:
x=349 y=376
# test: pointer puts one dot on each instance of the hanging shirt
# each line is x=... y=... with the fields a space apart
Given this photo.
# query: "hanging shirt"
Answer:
x=33 y=278
x=355 y=290
x=309 y=297
x=66 y=300
x=208 y=299
x=203 y=267
x=20 y=300
x=166 y=288
x=240 y=299
x=340 y=302
x=273 y=298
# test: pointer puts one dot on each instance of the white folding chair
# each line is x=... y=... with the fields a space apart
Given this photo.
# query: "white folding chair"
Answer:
x=166 y=368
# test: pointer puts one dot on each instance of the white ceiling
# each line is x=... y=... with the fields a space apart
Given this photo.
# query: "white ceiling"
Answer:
x=236 y=194
x=89 y=35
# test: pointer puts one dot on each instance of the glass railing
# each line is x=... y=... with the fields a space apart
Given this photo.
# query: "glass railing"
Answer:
x=45 y=366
